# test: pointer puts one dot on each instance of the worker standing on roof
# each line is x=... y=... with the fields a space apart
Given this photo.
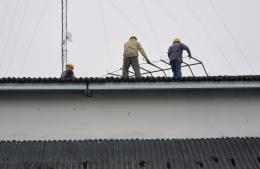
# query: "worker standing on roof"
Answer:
x=131 y=49
x=68 y=74
x=175 y=55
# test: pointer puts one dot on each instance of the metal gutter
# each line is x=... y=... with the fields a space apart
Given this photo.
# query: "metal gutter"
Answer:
x=175 y=86
x=43 y=87
x=113 y=86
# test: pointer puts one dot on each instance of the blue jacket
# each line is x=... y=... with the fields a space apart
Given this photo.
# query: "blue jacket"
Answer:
x=175 y=51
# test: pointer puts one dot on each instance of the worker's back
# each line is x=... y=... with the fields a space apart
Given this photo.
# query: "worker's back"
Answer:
x=175 y=51
x=131 y=48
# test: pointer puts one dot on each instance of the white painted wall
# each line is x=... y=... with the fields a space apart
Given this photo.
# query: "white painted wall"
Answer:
x=161 y=114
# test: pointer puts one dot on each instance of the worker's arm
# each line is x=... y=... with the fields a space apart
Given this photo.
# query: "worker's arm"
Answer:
x=187 y=49
x=72 y=75
x=140 y=48
x=169 y=52
x=125 y=46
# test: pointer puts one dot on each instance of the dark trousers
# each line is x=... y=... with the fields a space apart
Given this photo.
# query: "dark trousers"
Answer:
x=176 y=68
x=131 y=61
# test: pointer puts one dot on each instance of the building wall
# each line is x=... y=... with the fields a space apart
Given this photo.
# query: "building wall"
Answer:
x=149 y=114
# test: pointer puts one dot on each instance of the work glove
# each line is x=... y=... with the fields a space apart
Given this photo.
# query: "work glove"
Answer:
x=189 y=56
x=148 y=61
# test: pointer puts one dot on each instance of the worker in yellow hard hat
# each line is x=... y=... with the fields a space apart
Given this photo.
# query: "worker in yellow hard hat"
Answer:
x=177 y=40
x=70 y=66
x=175 y=55
x=68 y=74
x=131 y=49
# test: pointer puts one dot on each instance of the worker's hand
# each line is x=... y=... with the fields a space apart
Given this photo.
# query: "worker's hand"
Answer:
x=190 y=56
x=148 y=61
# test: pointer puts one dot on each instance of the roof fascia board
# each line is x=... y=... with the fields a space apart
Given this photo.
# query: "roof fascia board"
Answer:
x=175 y=86
x=128 y=86
x=43 y=87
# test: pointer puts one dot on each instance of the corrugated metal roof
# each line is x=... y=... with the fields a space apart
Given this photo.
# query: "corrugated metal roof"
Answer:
x=225 y=153
x=142 y=79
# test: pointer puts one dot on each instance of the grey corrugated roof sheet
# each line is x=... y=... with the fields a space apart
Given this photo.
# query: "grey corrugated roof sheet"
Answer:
x=135 y=80
x=225 y=153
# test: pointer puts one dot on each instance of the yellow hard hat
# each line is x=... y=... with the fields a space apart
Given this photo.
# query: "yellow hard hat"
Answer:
x=70 y=65
x=177 y=40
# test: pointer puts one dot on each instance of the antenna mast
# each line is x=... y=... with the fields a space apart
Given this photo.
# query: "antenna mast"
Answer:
x=64 y=40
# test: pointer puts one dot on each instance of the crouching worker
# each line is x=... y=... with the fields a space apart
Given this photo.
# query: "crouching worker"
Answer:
x=175 y=55
x=68 y=74
x=131 y=49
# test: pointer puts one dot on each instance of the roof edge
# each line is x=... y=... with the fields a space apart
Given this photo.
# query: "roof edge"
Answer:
x=174 y=86
x=125 y=86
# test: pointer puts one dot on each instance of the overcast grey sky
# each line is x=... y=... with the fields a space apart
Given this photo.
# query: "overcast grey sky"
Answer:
x=224 y=34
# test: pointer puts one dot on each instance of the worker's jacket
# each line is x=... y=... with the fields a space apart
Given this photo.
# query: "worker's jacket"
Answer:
x=67 y=75
x=132 y=47
x=175 y=51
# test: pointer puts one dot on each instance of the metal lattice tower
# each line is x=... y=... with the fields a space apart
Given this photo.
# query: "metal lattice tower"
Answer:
x=64 y=40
